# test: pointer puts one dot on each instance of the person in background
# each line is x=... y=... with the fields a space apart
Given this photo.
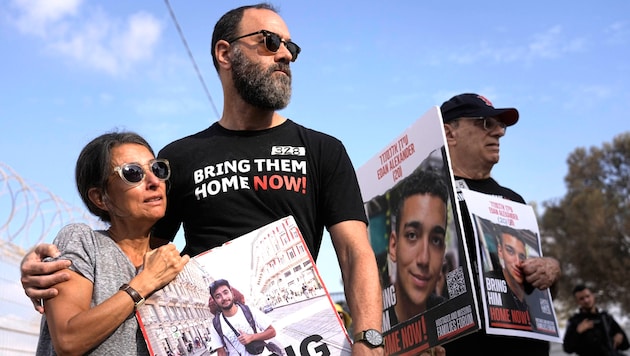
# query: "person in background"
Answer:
x=255 y=166
x=591 y=331
x=113 y=270
x=473 y=128
x=344 y=316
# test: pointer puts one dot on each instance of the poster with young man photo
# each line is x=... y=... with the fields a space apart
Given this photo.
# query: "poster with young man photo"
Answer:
x=416 y=235
x=507 y=234
x=264 y=282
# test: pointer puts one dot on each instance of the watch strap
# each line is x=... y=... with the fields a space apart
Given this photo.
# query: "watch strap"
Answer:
x=360 y=336
x=138 y=300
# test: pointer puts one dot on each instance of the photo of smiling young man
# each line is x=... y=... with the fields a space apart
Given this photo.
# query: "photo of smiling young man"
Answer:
x=417 y=245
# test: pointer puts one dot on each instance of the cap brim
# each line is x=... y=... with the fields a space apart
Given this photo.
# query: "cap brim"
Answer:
x=507 y=116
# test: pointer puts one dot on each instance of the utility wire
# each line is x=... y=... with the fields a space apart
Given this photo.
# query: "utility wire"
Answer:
x=192 y=59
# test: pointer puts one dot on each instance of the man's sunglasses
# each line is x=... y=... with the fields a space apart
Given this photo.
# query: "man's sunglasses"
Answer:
x=272 y=42
x=133 y=173
x=488 y=123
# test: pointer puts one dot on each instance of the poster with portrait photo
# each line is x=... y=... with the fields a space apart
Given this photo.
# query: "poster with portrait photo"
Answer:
x=506 y=233
x=271 y=271
x=428 y=295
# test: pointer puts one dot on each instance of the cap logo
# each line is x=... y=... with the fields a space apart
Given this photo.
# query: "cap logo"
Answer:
x=485 y=100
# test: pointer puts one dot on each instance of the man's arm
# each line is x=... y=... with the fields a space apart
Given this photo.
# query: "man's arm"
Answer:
x=39 y=277
x=360 y=279
x=541 y=272
x=619 y=337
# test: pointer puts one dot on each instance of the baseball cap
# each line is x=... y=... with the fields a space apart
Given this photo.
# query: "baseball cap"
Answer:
x=475 y=105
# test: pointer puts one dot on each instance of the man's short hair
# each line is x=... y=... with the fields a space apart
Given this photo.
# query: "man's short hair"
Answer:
x=504 y=229
x=228 y=25
x=218 y=283
x=580 y=287
x=421 y=182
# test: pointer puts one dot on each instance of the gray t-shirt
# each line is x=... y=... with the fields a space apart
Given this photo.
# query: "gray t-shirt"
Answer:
x=96 y=257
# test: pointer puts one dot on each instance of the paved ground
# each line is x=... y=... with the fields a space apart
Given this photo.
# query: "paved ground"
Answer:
x=556 y=350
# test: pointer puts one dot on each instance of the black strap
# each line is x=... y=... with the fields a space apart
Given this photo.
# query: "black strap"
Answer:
x=248 y=315
x=225 y=337
x=232 y=327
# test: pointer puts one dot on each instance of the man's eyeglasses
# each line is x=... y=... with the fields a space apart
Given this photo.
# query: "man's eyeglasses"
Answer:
x=133 y=173
x=488 y=123
x=272 y=42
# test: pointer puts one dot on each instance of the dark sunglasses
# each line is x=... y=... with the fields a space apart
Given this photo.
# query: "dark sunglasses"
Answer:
x=488 y=123
x=133 y=173
x=272 y=42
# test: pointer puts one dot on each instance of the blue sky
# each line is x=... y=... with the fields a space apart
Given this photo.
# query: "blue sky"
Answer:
x=74 y=69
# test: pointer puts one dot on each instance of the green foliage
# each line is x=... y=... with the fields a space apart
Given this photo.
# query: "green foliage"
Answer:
x=588 y=230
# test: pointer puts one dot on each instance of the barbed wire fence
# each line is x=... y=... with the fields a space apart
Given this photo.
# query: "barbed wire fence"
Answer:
x=29 y=214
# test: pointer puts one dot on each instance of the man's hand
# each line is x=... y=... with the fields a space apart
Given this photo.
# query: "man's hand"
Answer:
x=435 y=351
x=584 y=325
x=541 y=272
x=617 y=340
x=245 y=338
x=39 y=277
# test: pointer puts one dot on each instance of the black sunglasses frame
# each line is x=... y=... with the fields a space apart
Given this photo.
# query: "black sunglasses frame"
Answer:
x=272 y=42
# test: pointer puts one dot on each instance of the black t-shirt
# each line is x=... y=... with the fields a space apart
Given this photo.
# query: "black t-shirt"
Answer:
x=226 y=183
x=487 y=344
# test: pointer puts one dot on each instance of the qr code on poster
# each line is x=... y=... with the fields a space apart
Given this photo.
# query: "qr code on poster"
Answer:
x=455 y=282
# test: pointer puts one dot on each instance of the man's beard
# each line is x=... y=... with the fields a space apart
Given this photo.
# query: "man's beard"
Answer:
x=228 y=307
x=259 y=87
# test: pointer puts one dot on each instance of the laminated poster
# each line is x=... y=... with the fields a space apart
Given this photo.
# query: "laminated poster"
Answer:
x=428 y=290
x=507 y=233
x=269 y=269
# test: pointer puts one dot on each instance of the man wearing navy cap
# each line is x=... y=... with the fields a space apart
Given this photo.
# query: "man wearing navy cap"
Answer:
x=473 y=128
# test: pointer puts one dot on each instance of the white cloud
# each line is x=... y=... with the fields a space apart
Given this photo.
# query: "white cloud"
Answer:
x=89 y=37
x=617 y=33
x=545 y=45
x=114 y=49
x=587 y=97
x=552 y=44
x=36 y=17
x=139 y=37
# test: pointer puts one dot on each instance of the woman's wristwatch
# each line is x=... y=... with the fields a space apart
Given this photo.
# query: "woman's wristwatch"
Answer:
x=137 y=298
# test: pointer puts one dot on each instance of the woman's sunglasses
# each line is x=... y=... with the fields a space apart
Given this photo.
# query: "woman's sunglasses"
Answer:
x=273 y=41
x=133 y=173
